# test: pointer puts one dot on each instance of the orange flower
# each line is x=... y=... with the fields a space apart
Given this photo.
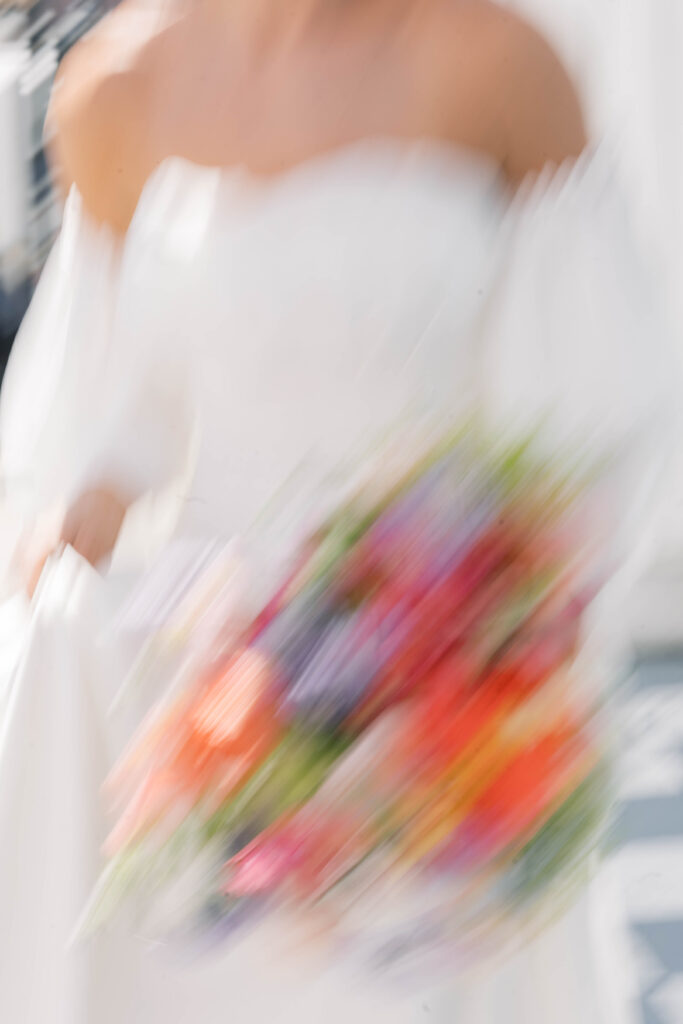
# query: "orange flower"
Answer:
x=204 y=747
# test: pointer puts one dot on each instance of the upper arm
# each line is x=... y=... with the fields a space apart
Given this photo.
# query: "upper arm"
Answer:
x=98 y=139
x=536 y=113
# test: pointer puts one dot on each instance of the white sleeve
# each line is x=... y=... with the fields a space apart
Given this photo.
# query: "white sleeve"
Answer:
x=86 y=399
x=578 y=338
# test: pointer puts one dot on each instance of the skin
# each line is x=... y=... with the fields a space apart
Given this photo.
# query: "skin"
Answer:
x=269 y=84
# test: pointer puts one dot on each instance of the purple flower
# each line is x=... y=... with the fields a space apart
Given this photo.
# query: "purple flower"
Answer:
x=343 y=665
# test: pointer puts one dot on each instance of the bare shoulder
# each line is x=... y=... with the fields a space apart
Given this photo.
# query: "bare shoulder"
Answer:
x=528 y=110
x=99 y=116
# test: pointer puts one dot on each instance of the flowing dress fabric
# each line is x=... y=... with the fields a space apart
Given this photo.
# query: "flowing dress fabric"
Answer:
x=246 y=337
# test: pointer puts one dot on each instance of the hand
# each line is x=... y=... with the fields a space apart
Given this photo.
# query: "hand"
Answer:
x=91 y=527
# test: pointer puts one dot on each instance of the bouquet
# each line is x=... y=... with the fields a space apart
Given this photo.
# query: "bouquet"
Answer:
x=396 y=747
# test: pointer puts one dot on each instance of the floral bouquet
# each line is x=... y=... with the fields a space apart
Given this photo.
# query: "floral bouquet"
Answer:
x=395 y=747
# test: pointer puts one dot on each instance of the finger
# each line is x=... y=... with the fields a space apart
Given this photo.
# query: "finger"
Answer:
x=90 y=546
x=34 y=575
x=85 y=546
x=38 y=567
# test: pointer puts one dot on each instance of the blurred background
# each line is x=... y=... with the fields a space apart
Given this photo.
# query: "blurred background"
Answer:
x=33 y=39
x=625 y=56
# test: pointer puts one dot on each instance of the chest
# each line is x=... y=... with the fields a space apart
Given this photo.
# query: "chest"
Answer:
x=229 y=108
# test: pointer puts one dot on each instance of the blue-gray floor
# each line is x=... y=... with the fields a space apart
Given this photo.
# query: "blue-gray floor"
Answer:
x=651 y=831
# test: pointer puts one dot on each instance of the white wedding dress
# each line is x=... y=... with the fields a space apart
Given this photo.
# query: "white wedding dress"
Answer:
x=246 y=337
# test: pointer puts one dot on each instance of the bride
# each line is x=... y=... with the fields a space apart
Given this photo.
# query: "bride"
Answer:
x=286 y=223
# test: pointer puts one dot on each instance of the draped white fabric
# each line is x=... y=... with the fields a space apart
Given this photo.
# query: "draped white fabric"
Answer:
x=70 y=360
